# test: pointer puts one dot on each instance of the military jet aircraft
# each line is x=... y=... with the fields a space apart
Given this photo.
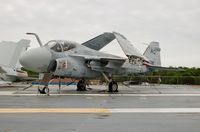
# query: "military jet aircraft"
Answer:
x=85 y=61
x=10 y=69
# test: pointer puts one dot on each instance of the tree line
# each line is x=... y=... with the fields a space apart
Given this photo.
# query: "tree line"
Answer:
x=177 y=75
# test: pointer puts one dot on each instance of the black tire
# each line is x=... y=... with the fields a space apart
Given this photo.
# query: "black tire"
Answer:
x=43 y=91
x=113 y=87
x=81 y=86
x=47 y=91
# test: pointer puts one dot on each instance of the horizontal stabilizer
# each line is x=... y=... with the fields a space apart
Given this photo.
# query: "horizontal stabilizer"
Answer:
x=160 y=68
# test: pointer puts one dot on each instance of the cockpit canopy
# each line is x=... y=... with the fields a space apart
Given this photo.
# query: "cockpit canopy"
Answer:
x=60 y=46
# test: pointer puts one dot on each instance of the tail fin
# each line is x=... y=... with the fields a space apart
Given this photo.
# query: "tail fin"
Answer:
x=11 y=51
x=21 y=47
x=152 y=53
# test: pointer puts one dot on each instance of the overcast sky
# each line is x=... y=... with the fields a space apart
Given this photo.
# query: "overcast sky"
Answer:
x=174 y=23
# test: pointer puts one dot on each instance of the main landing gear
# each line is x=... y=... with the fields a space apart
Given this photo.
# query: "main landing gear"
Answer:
x=81 y=86
x=112 y=85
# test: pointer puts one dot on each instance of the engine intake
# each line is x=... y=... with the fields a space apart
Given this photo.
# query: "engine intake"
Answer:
x=58 y=64
x=52 y=66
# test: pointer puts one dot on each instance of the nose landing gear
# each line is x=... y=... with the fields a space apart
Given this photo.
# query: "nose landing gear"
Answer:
x=44 y=90
x=44 y=79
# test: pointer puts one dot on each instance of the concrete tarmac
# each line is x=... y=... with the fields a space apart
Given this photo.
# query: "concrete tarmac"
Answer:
x=155 y=108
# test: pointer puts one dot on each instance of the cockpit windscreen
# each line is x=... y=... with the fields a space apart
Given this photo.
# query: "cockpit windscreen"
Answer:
x=60 y=46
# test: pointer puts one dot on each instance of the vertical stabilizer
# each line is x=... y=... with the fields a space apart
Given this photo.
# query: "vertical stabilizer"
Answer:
x=152 y=53
x=11 y=51
x=21 y=47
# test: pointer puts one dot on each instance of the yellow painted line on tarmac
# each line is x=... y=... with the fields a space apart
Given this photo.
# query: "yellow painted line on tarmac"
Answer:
x=100 y=110
x=54 y=110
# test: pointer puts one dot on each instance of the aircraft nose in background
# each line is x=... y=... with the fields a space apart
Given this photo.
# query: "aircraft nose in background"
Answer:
x=36 y=59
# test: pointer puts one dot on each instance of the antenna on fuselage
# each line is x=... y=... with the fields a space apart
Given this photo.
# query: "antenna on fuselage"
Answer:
x=37 y=37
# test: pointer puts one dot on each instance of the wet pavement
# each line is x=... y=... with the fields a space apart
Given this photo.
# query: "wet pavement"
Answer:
x=155 y=108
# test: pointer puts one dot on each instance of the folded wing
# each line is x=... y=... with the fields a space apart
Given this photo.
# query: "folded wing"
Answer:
x=100 y=41
x=130 y=51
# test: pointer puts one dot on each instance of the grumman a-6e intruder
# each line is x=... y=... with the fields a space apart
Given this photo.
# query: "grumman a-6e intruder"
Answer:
x=85 y=61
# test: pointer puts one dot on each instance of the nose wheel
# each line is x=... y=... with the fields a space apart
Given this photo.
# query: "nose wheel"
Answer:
x=44 y=90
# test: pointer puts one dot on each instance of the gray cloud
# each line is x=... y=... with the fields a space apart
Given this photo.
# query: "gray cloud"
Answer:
x=174 y=23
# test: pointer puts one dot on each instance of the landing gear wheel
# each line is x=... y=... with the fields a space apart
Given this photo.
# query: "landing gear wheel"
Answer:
x=45 y=90
x=81 y=86
x=113 y=87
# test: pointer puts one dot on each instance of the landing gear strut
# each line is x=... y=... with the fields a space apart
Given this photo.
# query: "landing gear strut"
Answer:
x=81 y=86
x=112 y=86
x=44 y=78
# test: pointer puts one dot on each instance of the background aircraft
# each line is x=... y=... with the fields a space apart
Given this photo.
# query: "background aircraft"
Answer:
x=70 y=59
x=10 y=69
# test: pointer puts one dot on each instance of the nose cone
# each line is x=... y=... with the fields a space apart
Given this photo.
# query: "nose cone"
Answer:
x=36 y=59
